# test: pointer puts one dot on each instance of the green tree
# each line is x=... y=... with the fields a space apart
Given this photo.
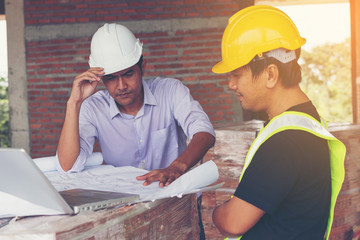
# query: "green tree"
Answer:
x=326 y=80
x=4 y=114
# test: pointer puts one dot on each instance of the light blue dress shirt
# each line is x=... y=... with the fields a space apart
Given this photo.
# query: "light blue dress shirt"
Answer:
x=153 y=138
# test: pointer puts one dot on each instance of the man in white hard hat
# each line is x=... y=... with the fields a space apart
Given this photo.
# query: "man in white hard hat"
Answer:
x=140 y=123
x=294 y=169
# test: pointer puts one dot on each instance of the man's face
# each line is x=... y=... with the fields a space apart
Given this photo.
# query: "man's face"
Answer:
x=125 y=87
x=251 y=92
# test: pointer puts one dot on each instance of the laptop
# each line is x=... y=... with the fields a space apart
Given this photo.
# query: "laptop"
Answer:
x=20 y=177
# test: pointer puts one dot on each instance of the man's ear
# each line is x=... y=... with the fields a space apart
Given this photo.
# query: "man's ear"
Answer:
x=272 y=75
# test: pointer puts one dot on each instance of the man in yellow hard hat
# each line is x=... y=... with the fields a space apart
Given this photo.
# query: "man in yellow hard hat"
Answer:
x=294 y=169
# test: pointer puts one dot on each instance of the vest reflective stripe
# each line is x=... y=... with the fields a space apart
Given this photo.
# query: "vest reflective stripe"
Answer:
x=301 y=121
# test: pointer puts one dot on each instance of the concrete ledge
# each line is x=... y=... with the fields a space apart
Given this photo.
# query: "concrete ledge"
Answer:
x=171 y=218
x=77 y=30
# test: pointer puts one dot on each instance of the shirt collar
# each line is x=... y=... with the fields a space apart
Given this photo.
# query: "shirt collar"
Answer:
x=149 y=99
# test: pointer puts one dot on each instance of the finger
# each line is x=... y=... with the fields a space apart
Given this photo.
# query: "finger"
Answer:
x=86 y=78
x=94 y=84
x=147 y=175
x=155 y=177
x=150 y=180
x=142 y=177
x=163 y=180
x=97 y=71
x=170 y=180
x=91 y=74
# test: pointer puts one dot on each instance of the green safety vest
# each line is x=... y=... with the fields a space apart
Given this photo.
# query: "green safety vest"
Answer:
x=301 y=121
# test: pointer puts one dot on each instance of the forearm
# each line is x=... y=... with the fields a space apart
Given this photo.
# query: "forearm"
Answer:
x=84 y=85
x=197 y=148
x=219 y=217
x=235 y=217
x=69 y=142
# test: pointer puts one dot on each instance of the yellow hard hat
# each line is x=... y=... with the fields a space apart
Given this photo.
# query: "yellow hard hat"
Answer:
x=253 y=31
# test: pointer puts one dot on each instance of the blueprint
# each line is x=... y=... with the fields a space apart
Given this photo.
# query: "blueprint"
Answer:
x=123 y=179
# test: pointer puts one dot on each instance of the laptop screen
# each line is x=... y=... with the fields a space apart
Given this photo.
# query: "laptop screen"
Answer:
x=29 y=192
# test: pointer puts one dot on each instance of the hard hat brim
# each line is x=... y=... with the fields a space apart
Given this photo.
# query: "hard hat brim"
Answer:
x=221 y=67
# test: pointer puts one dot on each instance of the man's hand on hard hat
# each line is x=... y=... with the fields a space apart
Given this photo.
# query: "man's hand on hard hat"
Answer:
x=85 y=84
x=165 y=176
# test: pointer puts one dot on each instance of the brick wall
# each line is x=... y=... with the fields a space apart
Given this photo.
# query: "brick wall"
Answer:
x=184 y=50
x=189 y=56
x=51 y=66
x=229 y=154
x=38 y=12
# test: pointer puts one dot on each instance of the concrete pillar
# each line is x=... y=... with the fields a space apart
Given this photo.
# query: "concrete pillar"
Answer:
x=18 y=98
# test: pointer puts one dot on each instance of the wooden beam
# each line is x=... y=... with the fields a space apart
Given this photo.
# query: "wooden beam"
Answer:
x=355 y=57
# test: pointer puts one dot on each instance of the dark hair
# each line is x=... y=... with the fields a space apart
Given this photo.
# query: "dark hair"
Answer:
x=139 y=63
x=289 y=73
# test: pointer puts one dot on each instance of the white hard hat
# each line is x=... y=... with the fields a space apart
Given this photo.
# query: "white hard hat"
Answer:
x=114 y=48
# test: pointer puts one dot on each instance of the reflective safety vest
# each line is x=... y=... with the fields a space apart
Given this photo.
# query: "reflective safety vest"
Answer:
x=291 y=120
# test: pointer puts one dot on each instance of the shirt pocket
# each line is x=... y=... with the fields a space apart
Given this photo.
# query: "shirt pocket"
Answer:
x=165 y=147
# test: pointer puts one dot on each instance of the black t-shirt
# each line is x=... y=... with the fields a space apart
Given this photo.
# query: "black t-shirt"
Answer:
x=289 y=178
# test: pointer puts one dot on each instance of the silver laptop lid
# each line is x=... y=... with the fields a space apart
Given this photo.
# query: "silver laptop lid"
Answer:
x=20 y=177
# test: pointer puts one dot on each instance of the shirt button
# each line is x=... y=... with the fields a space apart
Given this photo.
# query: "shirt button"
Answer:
x=141 y=140
x=142 y=165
